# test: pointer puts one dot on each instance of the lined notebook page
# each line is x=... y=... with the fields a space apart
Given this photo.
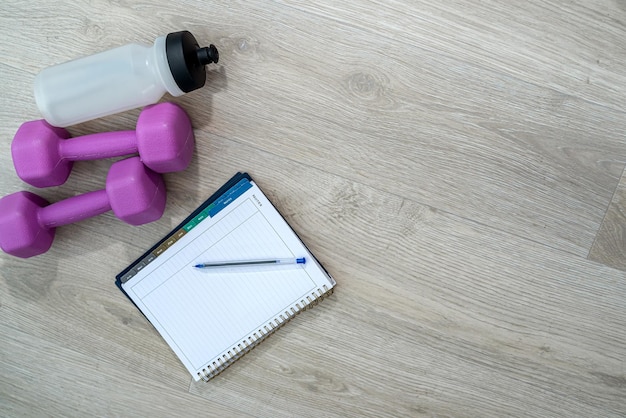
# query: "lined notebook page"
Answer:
x=204 y=313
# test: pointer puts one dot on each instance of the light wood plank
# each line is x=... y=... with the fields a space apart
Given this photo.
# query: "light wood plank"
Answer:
x=47 y=379
x=574 y=47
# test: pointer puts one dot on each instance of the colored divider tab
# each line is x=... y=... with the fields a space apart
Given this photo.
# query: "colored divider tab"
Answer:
x=210 y=211
x=214 y=208
x=228 y=197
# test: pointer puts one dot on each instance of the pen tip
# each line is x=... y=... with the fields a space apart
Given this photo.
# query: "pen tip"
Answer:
x=301 y=260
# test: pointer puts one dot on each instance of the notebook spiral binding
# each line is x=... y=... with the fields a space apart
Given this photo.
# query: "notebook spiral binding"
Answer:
x=243 y=348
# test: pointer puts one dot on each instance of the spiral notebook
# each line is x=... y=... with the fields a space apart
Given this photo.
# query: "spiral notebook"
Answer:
x=212 y=317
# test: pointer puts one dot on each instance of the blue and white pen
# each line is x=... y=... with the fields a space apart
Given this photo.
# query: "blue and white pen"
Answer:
x=247 y=263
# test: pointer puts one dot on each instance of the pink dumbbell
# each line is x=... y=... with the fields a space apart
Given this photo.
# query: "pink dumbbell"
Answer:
x=135 y=193
x=43 y=156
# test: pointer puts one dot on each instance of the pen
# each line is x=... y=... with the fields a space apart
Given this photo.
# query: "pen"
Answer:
x=243 y=263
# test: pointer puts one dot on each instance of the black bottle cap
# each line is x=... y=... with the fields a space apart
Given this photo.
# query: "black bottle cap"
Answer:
x=187 y=60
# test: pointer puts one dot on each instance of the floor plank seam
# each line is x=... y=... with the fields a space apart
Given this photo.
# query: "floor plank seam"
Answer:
x=606 y=212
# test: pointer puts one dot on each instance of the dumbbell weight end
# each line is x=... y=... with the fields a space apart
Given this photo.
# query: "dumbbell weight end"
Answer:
x=20 y=232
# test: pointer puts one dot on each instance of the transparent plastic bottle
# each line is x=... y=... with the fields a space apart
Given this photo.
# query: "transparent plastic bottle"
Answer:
x=122 y=78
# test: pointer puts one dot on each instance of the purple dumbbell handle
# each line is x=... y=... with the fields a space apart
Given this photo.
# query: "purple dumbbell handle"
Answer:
x=74 y=209
x=99 y=145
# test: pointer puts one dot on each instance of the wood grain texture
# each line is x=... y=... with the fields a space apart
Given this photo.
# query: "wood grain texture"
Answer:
x=610 y=244
x=508 y=142
x=449 y=163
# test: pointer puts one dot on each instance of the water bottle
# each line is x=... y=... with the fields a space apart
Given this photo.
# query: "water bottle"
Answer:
x=122 y=78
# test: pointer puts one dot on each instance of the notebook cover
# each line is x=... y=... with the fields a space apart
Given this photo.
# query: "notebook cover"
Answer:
x=148 y=256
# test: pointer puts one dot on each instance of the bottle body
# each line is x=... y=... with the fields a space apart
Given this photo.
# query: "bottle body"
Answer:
x=109 y=82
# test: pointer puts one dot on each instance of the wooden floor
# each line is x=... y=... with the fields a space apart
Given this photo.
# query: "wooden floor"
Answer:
x=457 y=166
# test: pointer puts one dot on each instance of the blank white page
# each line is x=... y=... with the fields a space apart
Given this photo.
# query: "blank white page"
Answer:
x=204 y=314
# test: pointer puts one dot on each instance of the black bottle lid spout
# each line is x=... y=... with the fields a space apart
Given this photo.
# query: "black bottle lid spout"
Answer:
x=208 y=55
x=187 y=60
